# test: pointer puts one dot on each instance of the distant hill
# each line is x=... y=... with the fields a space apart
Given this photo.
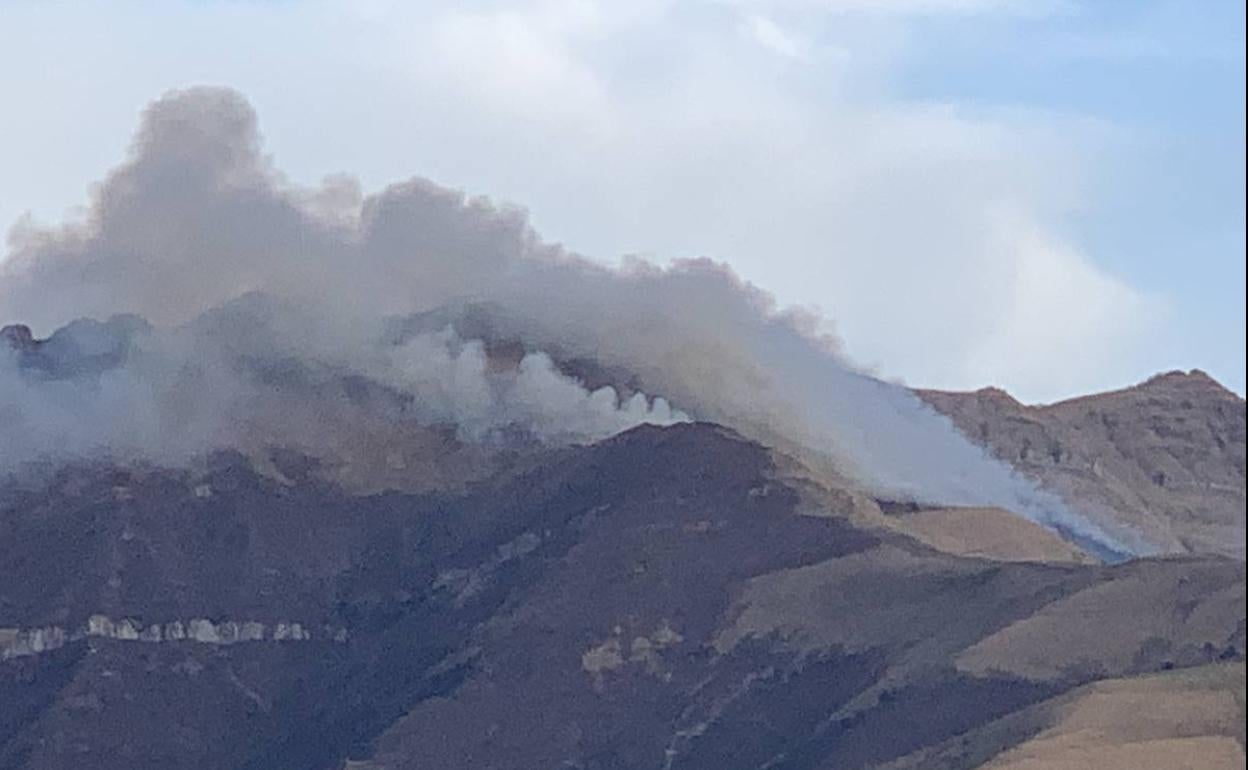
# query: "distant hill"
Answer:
x=1164 y=458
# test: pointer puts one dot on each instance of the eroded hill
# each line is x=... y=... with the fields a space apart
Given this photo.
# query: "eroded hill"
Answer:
x=1164 y=459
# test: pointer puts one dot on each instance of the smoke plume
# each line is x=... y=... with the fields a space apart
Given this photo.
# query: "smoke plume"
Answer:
x=243 y=305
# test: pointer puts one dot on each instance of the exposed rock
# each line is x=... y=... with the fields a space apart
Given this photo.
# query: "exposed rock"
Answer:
x=16 y=642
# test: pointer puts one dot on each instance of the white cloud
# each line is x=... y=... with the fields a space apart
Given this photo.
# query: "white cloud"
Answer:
x=519 y=63
x=1063 y=324
x=769 y=35
x=916 y=7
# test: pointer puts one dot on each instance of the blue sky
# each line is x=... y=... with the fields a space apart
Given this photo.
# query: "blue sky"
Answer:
x=1169 y=214
x=1047 y=196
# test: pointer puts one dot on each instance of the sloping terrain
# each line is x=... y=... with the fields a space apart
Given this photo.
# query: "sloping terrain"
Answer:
x=990 y=533
x=670 y=597
x=1163 y=460
x=1190 y=718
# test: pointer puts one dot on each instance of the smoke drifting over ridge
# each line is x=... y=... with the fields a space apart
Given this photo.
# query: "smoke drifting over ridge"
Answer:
x=266 y=300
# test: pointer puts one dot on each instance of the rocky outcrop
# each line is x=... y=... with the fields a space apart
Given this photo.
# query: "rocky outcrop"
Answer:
x=16 y=642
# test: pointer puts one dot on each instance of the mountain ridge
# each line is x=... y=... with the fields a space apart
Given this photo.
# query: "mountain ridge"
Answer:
x=1163 y=459
x=675 y=596
x=641 y=601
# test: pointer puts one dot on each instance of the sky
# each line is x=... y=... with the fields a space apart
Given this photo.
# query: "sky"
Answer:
x=1042 y=196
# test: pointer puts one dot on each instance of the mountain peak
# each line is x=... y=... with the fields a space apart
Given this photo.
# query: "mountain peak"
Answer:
x=1195 y=380
x=993 y=393
x=19 y=337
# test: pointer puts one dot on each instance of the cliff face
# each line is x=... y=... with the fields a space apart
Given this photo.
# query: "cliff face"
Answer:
x=669 y=597
x=1164 y=459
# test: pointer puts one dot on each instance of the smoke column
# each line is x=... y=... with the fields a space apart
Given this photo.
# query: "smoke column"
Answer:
x=233 y=266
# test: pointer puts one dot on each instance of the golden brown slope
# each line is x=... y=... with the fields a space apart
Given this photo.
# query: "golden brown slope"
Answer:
x=989 y=533
x=1180 y=719
x=1190 y=719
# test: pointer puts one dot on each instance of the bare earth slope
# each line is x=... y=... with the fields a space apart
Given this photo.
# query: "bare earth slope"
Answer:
x=1164 y=459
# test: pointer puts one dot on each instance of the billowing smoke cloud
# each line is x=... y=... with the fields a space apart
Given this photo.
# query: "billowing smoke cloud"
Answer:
x=257 y=372
x=198 y=218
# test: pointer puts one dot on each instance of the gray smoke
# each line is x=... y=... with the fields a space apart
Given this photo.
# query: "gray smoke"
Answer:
x=259 y=372
x=197 y=218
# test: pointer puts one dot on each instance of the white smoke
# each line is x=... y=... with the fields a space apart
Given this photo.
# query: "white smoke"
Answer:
x=452 y=381
x=198 y=217
x=123 y=389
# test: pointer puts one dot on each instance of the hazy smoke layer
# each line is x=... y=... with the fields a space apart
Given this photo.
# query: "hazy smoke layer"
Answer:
x=197 y=217
x=256 y=372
